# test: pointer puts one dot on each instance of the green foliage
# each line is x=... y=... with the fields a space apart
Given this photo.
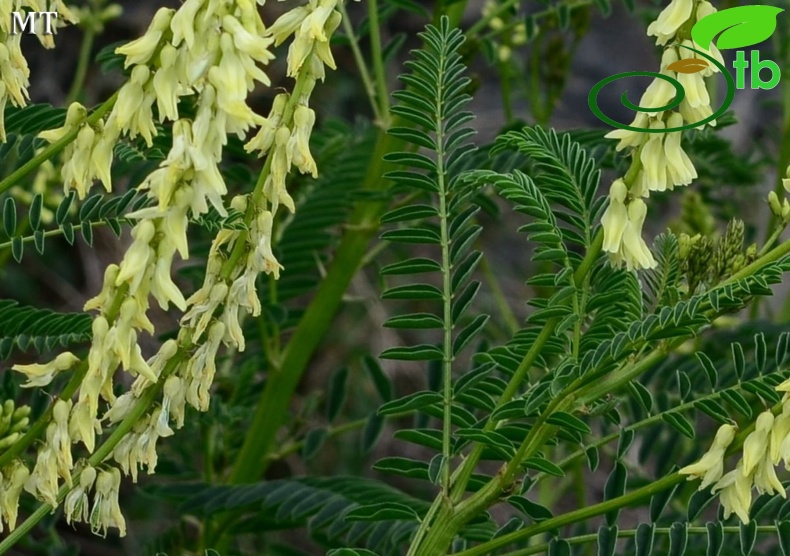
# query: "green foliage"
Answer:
x=27 y=327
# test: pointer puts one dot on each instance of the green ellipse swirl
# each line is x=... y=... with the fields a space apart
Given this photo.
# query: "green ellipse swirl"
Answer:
x=592 y=99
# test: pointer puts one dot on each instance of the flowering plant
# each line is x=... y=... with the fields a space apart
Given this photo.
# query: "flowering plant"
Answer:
x=235 y=287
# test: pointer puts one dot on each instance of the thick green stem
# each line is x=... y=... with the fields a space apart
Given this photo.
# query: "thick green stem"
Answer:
x=272 y=407
x=378 y=64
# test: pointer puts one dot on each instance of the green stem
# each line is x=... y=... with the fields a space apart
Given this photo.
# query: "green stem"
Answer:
x=272 y=407
x=447 y=297
x=364 y=74
x=378 y=63
x=575 y=516
x=82 y=64
x=520 y=375
x=55 y=147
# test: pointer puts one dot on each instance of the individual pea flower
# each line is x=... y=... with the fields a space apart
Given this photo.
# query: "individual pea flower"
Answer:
x=43 y=481
x=633 y=249
x=201 y=368
x=615 y=217
x=138 y=256
x=756 y=445
x=41 y=374
x=83 y=425
x=59 y=440
x=12 y=480
x=680 y=170
x=654 y=164
x=735 y=495
x=299 y=144
x=132 y=112
x=140 y=51
x=628 y=138
x=166 y=84
x=622 y=224
x=765 y=479
x=670 y=20
x=786 y=181
x=274 y=187
x=76 y=505
x=693 y=83
x=200 y=314
x=264 y=139
x=660 y=91
x=105 y=512
x=710 y=467
x=156 y=428
x=174 y=399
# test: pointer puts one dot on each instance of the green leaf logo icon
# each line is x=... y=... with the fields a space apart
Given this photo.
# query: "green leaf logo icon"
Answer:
x=739 y=27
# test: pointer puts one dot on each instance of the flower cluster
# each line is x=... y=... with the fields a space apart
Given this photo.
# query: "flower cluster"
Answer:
x=14 y=71
x=210 y=51
x=659 y=160
x=763 y=449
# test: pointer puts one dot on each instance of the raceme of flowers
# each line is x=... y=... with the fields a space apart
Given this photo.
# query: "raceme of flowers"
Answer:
x=14 y=71
x=661 y=162
x=182 y=54
x=763 y=449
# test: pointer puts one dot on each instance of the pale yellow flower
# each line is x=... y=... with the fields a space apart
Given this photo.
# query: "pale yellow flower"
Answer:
x=756 y=445
x=76 y=505
x=710 y=467
x=670 y=20
x=14 y=478
x=41 y=374
x=735 y=495
x=615 y=218
x=105 y=512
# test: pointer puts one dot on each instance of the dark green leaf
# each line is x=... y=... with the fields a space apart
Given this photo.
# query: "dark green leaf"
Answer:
x=645 y=534
x=679 y=423
x=371 y=432
x=415 y=320
x=421 y=352
x=35 y=211
x=408 y=213
x=468 y=333
x=413 y=291
x=337 y=393
x=568 y=421
x=9 y=216
x=532 y=509
x=411 y=402
x=380 y=380
x=607 y=540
